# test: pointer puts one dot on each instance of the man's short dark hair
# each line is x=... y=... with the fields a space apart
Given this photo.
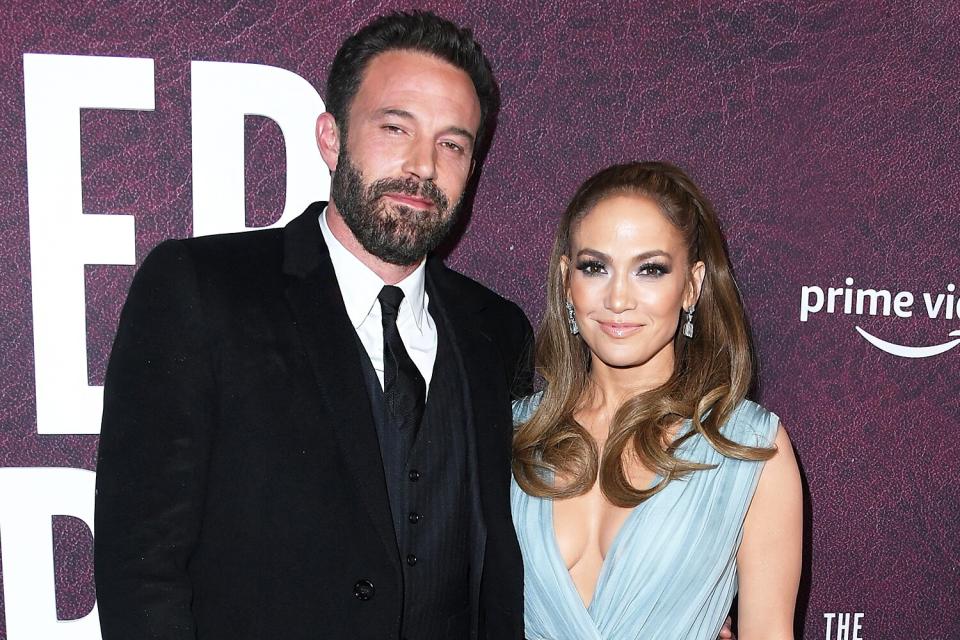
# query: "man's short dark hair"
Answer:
x=421 y=31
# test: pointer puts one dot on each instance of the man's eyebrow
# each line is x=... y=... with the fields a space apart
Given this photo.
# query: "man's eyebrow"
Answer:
x=399 y=113
x=460 y=131
x=406 y=115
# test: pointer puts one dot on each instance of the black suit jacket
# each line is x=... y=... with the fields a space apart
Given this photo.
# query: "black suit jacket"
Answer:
x=240 y=492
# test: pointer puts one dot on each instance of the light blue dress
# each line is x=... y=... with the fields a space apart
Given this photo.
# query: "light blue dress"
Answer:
x=671 y=571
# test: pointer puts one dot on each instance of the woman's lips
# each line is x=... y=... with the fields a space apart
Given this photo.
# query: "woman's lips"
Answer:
x=619 y=329
x=410 y=201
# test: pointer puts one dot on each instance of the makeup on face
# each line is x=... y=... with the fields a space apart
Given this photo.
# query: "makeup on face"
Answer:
x=628 y=282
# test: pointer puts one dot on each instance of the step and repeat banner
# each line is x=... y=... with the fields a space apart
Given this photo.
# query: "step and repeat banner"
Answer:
x=826 y=133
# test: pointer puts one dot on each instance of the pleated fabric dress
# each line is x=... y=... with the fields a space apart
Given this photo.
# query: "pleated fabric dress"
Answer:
x=671 y=570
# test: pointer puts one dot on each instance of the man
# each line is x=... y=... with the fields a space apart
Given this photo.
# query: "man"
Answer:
x=306 y=431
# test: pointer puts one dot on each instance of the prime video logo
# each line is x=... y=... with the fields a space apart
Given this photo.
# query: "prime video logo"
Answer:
x=850 y=301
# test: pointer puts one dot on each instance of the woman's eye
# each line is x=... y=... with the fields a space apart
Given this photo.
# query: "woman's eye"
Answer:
x=652 y=269
x=591 y=267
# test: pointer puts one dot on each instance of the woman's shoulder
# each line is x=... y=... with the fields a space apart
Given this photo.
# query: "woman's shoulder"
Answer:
x=751 y=424
x=523 y=408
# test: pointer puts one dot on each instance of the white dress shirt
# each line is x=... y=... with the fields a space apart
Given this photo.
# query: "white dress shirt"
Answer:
x=360 y=286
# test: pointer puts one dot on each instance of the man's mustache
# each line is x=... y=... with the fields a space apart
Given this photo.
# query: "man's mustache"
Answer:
x=425 y=189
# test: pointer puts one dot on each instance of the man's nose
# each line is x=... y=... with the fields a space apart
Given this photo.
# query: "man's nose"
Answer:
x=421 y=160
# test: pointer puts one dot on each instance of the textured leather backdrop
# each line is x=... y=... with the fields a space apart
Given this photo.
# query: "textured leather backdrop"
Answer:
x=826 y=134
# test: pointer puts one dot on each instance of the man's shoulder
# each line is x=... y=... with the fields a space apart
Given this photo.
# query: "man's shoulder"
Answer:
x=235 y=246
x=223 y=270
x=473 y=294
x=227 y=253
x=503 y=322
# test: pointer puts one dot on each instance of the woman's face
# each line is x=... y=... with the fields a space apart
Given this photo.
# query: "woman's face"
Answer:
x=629 y=278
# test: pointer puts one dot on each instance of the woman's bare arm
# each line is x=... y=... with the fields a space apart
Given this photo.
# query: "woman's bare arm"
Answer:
x=768 y=562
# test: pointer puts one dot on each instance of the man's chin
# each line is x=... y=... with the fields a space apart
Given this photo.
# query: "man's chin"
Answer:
x=395 y=253
x=398 y=259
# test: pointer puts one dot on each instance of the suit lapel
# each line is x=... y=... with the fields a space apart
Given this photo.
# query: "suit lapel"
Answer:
x=480 y=361
x=329 y=340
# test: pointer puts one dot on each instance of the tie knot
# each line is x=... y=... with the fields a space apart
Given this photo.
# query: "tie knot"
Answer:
x=390 y=298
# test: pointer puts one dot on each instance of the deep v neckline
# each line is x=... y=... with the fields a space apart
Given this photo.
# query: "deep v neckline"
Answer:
x=604 y=565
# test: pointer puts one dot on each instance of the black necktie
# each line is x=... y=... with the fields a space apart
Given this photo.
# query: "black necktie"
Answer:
x=404 y=389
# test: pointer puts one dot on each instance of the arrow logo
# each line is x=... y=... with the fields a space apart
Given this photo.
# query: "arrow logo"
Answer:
x=910 y=352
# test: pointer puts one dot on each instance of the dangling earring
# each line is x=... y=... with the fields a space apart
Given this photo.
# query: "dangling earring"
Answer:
x=688 y=326
x=572 y=319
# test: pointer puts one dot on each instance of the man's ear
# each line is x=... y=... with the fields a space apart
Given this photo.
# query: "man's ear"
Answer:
x=328 y=139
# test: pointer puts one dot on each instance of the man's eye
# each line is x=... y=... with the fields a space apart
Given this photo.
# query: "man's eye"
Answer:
x=591 y=267
x=389 y=128
x=452 y=146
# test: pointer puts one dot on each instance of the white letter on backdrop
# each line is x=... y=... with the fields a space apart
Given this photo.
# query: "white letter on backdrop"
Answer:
x=222 y=93
x=29 y=498
x=62 y=238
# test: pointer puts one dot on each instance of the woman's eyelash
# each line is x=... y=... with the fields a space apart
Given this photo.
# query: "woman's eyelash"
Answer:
x=595 y=267
x=591 y=267
x=654 y=269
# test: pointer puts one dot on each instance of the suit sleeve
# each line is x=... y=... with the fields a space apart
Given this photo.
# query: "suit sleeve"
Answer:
x=158 y=417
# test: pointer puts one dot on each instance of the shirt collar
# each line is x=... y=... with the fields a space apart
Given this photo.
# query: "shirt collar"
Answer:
x=360 y=286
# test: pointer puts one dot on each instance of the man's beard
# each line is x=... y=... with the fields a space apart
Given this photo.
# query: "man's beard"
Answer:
x=395 y=233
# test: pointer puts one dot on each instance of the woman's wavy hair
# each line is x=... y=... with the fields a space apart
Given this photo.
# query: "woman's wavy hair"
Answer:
x=712 y=372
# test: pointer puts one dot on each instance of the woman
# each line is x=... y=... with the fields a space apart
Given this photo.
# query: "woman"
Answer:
x=647 y=489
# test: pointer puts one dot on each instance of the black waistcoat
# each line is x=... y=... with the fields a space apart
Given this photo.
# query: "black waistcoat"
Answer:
x=429 y=497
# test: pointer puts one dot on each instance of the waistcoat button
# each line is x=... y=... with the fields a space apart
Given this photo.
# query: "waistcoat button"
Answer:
x=363 y=590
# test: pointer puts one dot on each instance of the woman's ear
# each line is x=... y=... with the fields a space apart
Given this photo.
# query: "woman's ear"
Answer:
x=328 y=139
x=694 y=285
x=565 y=276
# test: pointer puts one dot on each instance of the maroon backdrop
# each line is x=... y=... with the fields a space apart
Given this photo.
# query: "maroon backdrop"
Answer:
x=826 y=133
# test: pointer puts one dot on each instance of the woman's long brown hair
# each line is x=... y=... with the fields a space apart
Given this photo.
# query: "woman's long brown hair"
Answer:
x=712 y=371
